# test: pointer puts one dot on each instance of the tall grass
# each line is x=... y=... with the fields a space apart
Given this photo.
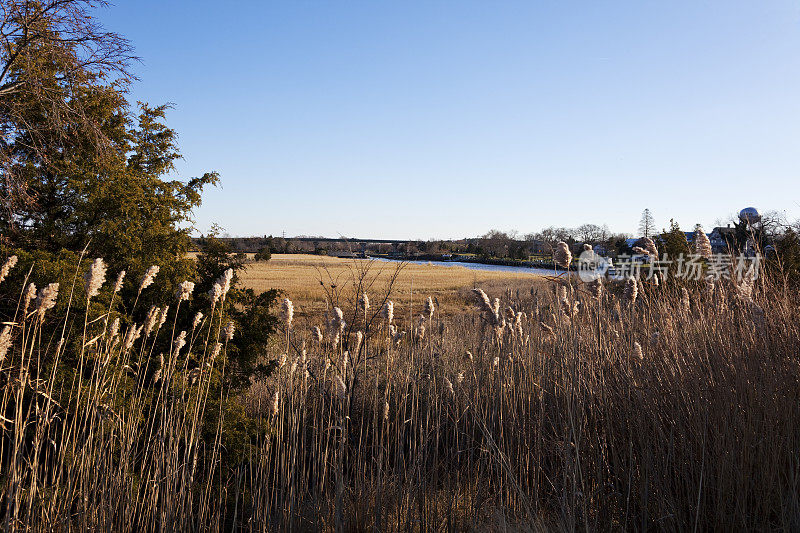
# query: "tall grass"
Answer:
x=566 y=409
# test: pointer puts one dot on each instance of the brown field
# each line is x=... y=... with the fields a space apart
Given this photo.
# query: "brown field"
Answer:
x=299 y=276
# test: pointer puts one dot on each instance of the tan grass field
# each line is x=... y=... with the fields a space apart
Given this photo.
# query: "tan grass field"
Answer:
x=299 y=276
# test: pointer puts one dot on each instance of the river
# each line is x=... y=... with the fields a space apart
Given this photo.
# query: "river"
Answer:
x=474 y=266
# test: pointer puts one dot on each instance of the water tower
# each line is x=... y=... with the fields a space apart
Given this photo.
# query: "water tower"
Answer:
x=750 y=216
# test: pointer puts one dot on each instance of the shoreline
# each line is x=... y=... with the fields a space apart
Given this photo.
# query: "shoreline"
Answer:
x=473 y=260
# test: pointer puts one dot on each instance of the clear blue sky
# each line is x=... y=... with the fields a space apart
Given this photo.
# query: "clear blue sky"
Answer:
x=421 y=119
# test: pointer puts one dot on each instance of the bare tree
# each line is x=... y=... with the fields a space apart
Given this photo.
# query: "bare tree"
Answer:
x=592 y=233
x=48 y=50
x=550 y=236
x=495 y=242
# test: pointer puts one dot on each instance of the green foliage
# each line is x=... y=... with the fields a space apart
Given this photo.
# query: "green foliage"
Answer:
x=787 y=247
x=41 y=267
x=248 y=310
x=621 y=247
x=674 y=241
x=116 y=202
x=214 y=259
x=240 y=434
x=674 y=244
x=253 y=317
x=263 y=254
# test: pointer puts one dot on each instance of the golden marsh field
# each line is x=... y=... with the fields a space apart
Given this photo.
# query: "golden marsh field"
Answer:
x=299 y=276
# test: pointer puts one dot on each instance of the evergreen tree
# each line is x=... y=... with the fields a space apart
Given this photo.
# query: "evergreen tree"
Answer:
x=52 y=51
x=647 y=226
x=117 y=203
x=674 y=244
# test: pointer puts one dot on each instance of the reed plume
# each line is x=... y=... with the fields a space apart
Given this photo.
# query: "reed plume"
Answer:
x=518 y=323
x=317 y=333
x=340 y=388
x=387 y=311
x=163 y=318
x=120 y=280
x=336 y=323
x=229 y=330
x=113 y=331
x=219 y=290
x=637 y=351
x=150 y=321
x=744 y=286
x=46 y=299
x=5 y=342
x=131 y=337
x=492 y=311
x=95 y=278
x=631 y=290
x=30 y=294
x=429 y=308
x=562 y=255
x=7 y=266
x=419 y=331
x=649 y=247
x=149 y=277
x=449 y=386
x=215 y=293
x=287 y=312
x=179 y=343
x=216 y=351
x=184 y=291
x=225 y=280
x=276 y=399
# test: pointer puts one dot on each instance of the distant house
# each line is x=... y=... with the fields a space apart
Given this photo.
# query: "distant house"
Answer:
x=722 y=239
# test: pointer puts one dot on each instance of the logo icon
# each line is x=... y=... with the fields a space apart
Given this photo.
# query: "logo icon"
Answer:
x=591 y=266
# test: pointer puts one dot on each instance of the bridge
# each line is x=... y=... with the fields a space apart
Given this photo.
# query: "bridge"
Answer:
x=361 y=243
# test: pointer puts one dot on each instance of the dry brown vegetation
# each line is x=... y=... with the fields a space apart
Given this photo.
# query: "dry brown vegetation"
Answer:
x=545 y=409
x=299 y=277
